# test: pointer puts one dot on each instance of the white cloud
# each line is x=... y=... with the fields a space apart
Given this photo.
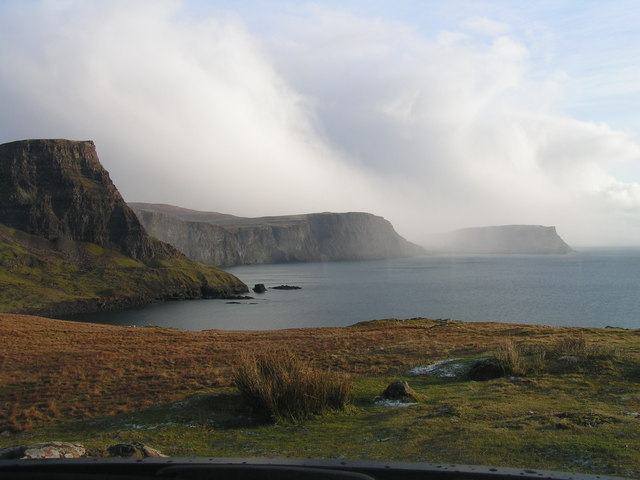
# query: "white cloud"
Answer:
x=486 y=26
x=325 y=111
x=189 y=112
x=462 y=122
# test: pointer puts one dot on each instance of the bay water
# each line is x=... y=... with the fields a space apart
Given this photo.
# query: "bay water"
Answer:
x=589 y=288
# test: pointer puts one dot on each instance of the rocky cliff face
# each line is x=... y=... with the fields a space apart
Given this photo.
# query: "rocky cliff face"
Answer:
x=58 y=189
x=525 y=239
x=219 y=239
x=69 y=242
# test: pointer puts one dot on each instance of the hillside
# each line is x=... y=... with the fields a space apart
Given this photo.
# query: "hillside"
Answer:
x=220 y=239
x=507 y=239
x=69 y=242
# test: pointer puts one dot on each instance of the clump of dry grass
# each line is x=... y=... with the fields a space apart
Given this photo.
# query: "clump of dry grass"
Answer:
x=568 y=354
x=572 y=345
x=510 y=355
x=284 y=388
x=578 y=345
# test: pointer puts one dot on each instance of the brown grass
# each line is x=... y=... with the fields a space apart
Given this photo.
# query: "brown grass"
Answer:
x=57 y=371
x=572 y=352
x=572 y=345
x=281 y=387
x=510 y=354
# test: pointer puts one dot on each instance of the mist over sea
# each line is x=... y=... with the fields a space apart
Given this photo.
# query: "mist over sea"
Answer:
x=589 y=288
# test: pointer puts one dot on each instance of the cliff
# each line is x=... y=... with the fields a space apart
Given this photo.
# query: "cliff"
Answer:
x=523 y=239
x=69 y=242
x=220 y=239
x=57 y=189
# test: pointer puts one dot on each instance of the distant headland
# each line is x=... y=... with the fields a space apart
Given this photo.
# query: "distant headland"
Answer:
x=224 y=240
x=505 y=239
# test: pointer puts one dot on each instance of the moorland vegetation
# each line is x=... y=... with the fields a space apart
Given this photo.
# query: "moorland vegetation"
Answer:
x=567 y=398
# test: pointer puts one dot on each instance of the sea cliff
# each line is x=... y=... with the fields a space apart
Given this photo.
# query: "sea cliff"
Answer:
x=69 y=242
x=506 y=239
x=220 y=239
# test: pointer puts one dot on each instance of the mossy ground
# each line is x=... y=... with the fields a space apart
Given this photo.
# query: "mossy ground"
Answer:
x=35 y=275
x=502 y=422
x=170 y=389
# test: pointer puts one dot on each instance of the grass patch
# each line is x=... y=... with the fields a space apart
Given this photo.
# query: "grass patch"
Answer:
x=282 y=387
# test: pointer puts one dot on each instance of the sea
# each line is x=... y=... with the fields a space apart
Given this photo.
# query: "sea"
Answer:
x=595 y=287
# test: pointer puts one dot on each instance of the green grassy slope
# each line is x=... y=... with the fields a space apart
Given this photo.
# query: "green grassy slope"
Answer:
x=39 y=276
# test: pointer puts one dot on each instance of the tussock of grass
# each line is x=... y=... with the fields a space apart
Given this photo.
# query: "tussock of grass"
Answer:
x=572 y=345
x=510 y=356
x=284 y=388
x=569 y=354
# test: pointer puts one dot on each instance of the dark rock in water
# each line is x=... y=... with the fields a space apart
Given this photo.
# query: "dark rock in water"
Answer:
x=238 y=297
x=136 y=450
x=259 y=288
x=487 y=369
x=47 y=450
x=233 y=303
x=286 y=287
x=399 y=391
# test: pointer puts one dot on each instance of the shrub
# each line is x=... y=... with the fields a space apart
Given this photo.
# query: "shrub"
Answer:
x=284 y=388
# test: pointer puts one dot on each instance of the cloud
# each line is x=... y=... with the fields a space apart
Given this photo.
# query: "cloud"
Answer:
x=324 y=110
x=461 y=123
x=486 y=26
x=182 y=110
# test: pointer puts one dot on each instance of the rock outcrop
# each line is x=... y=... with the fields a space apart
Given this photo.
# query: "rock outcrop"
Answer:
x=507 y=239
x=70 y=243
x=219 y=239
x=133 y=450
x=76 y=450
x=46 y=450
x=58 y=189
x=400 y=391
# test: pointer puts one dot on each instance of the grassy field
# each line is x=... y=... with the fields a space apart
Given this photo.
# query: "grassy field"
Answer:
x=574 y=404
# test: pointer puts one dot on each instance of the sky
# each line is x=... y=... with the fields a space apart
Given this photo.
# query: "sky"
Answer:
x=437 y=115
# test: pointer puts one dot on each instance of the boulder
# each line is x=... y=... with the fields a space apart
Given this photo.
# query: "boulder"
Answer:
x=259 y=288
x=46 y=450
x=486 y=369
x=136 y=450
x=286 y=287
x=399 y=391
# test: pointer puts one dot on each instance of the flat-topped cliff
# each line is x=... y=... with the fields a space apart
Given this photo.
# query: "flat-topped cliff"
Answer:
x=524 y=239
x=69 y=242
x=221 y=239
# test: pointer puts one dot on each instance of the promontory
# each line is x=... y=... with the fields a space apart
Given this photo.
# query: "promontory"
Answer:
x=505 y=239
x=69 y=242
x=222 y=239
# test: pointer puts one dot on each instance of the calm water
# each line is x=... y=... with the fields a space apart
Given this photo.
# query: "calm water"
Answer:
x=592 y=288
